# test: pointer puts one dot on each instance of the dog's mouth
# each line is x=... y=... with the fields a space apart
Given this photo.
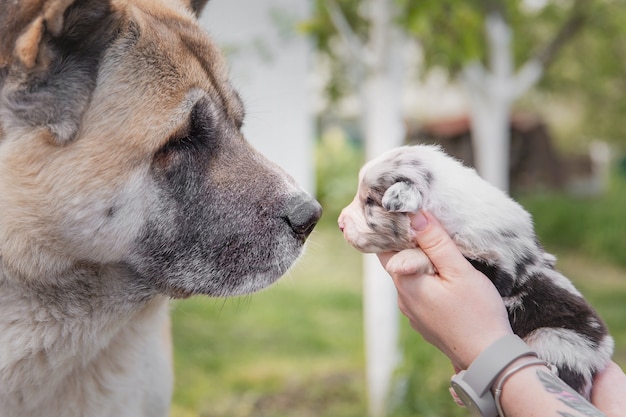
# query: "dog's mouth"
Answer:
x=190 y=275
x=241 y=254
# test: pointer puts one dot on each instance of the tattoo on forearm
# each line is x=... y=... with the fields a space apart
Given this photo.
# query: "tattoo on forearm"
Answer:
x=567 y=396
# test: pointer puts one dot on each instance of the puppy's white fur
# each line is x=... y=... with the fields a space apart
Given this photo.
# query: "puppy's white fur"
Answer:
x=492 y=231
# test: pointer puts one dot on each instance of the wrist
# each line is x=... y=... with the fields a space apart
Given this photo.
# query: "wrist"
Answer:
x=521 y=364
x=486 y=341
x=516 y=374
x=474 y=385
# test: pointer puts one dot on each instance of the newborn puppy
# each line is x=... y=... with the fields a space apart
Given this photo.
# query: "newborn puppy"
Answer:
x=496 y=235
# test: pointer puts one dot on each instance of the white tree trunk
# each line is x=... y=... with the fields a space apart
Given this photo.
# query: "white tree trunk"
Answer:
x=383 y=127
x=383 y=130
x=491 y=94
x=491 y=138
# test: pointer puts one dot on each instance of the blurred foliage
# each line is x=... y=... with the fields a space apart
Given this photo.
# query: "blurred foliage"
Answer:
x=338 y=159
x=594 y=226
x=592 y=72
x=452 y=32
x=325 y=34
x=422 y=380
x=589 y=69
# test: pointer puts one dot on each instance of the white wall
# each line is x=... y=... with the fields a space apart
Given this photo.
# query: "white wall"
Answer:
x=270 y=65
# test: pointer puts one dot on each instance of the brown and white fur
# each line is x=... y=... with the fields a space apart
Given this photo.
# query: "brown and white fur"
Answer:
x=125 y=180
x=496 y=235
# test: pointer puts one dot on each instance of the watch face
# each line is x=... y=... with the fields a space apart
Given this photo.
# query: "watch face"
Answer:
x=466 y=399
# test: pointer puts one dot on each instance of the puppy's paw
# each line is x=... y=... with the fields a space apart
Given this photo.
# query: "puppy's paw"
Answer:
x=410 y=261
x=402 y=197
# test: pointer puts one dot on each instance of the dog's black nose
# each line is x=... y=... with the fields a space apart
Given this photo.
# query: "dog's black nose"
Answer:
x=303 y=212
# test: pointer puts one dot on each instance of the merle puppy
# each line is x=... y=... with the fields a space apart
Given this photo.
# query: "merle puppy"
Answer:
x=496 y=235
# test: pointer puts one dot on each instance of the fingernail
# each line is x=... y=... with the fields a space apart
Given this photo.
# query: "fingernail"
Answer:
x=419 y=222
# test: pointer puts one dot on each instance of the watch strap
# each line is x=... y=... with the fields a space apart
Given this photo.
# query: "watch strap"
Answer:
x=482 y=373
x=473 y=386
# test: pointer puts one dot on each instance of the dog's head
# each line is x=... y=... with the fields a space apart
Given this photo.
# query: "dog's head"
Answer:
x=120 y=143
x=389 y=189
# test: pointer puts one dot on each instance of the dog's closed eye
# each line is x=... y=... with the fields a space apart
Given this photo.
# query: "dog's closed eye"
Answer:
x=402 y=197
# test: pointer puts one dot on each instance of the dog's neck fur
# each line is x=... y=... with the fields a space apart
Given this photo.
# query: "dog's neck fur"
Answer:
x=54 y=339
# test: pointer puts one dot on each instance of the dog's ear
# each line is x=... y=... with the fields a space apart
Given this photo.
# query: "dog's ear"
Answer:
x=197 y=6
x=24 y=26
x=403 y=197
x=49 y=57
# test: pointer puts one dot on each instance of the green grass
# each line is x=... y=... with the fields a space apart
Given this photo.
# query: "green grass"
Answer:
x=295 y=349
x=593 y=226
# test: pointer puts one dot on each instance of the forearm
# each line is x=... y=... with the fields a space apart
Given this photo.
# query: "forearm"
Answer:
x=458 y=310
x=609 y=391
x=535 y=391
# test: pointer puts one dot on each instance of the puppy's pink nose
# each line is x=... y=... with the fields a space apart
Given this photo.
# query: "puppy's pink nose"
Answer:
x=341 y=222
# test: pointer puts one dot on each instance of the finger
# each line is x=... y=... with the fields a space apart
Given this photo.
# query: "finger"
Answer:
x=433 y=239
x=455 y=397
x=409 y=262
x=384 y=258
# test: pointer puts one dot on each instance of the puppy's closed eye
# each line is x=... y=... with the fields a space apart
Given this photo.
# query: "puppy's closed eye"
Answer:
x=403 y=197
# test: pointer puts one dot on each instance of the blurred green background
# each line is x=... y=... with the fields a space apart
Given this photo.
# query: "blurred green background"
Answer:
x=296 y=349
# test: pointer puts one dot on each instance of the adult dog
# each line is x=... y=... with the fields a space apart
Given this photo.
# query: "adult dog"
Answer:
x=496 y=235
x=124 y=180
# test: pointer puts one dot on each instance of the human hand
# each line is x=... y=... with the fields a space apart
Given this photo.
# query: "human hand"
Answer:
x=607 y=392
x=456 y=308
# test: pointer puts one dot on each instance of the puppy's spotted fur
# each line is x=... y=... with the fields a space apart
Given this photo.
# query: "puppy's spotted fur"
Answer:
x=496 y=235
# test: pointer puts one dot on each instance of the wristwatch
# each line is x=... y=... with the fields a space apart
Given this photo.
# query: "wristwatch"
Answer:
x=473 y=386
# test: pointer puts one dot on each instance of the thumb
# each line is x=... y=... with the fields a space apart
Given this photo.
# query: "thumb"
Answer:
x=433 y=239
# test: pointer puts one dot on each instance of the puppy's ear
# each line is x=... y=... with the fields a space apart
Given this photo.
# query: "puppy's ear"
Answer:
x=402 y=197
x=49 y=56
